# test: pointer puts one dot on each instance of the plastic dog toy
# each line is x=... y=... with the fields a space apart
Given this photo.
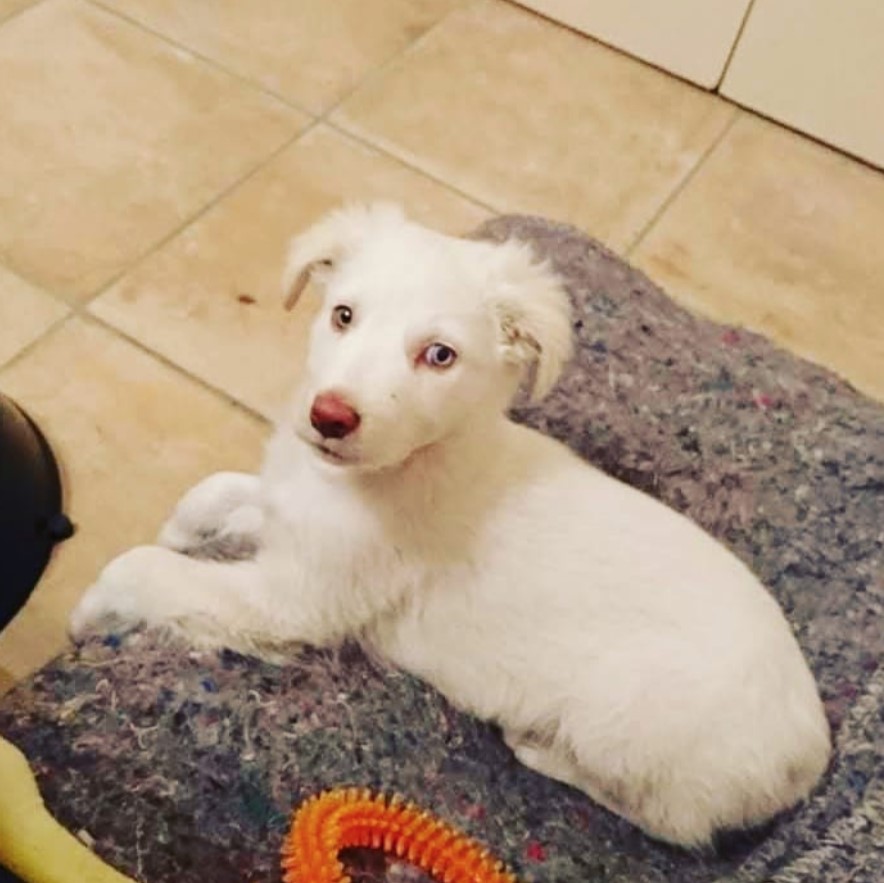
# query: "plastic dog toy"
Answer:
x=335 y=820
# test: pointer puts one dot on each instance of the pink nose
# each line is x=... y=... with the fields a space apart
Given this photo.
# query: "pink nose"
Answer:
x=332 y=417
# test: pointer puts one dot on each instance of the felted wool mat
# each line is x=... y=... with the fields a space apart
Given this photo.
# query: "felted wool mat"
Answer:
x=184 y=766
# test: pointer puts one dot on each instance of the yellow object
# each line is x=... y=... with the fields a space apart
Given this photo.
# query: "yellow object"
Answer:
x=32 y=844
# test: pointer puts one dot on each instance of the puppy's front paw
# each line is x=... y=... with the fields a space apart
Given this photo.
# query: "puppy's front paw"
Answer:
x=221 y=507
x=123 y=596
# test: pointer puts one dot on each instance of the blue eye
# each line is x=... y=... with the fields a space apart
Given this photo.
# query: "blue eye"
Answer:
x=439 y=355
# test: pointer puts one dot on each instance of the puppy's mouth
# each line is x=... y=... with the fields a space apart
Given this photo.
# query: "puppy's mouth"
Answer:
x=331 y=456
x=323 y=447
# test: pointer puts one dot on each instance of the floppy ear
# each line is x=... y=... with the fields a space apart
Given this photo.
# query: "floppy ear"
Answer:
x=533 y=312
x=320 y=247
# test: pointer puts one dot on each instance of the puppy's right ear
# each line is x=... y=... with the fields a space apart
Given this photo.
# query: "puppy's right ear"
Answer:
x=318 y=248
x=321 y=247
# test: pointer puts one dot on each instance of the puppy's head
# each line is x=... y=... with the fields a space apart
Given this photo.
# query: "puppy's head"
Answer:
x=421 y=335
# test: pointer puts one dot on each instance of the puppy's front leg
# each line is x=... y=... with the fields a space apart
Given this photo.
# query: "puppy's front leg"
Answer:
x=211 y=603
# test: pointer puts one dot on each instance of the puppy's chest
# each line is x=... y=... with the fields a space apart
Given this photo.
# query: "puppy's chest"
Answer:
x=331 y=535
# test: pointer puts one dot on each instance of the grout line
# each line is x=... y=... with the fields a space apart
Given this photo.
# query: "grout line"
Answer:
x=730 y=55
x=51 y=328
x=179 y=369
x=681 y=186
x=254 y=85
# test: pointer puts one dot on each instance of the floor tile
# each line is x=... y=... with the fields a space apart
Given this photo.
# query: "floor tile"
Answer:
x=7 y=680
x=131 y=435
x=528 y=116
x=312 y=52
x=210 y=299
x=782 y=235
x=32 y=639
x=110 y=140
x=25 y=313
x=10 y=7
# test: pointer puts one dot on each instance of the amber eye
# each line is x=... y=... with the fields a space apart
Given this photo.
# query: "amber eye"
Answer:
x=439 y=355
x=341 y=317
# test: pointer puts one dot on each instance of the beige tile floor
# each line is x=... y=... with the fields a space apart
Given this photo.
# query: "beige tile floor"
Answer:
x=156 y=154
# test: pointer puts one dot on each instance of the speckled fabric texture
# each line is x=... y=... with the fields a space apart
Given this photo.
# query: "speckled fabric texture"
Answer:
x=183 y=766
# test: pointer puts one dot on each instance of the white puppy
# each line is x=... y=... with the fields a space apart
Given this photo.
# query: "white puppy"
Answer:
x=620 y=648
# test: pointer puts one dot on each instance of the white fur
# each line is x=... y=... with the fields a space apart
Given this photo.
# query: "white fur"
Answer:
x=620 y=648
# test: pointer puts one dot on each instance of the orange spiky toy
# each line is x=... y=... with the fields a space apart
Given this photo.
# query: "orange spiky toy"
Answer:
x=343 y=818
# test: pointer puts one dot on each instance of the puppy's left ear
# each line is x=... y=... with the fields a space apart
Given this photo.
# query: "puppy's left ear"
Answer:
x=533 y=312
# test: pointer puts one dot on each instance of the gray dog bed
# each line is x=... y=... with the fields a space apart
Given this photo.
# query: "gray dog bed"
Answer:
x=184 y=766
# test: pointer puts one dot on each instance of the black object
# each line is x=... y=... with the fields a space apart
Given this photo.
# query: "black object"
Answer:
x=31 y=520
